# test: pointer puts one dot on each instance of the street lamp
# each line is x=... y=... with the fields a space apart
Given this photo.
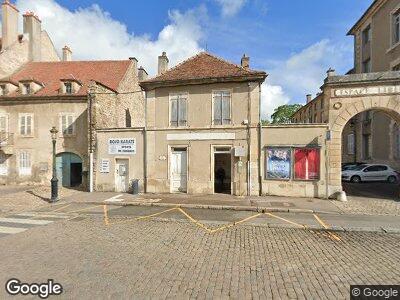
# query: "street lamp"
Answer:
x=54 y=180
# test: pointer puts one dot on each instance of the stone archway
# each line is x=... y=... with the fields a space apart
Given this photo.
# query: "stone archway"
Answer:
x=340 y=112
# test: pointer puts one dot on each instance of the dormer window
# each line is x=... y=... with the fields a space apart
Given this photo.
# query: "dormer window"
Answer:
x=27 y=89
x=3 y=90
x=68 y=87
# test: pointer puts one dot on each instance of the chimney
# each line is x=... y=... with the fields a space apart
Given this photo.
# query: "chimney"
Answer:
x=9 y=24
x=162 y=63
x=33 y=28
x=245 y=62
x=142 y=74
x=66 y=53
x=331 y=72
x=309 y=97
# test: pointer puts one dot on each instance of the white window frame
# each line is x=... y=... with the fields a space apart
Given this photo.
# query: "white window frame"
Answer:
x=61 y=131
x=25 y=115
x=3 y=165
x=172 y=95
x=230 y=91
x=24 y=168
x=68 y=83
x=351 y=144
x=7 y=121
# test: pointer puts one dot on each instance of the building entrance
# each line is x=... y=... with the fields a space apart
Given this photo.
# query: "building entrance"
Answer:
x=222 y=171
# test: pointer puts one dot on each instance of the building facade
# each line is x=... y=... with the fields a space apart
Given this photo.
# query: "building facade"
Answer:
x=371 y=136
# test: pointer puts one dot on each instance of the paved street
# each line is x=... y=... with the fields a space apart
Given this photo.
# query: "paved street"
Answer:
x=377 y=190
x=153 y=252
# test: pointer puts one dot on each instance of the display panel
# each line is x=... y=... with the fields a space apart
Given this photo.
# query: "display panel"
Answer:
x=306 y=163
x=278 y=163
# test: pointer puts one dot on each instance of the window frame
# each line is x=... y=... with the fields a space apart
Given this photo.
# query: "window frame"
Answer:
x=170 y=98
x=4 y=166
x=25 y=115
x=366 y=62
x=395 y=20
x=366 y=36
x=68 y=85
x=61 y=131
x=3 y=90
x=213 y=92
x=27 y=170
x=27 y=88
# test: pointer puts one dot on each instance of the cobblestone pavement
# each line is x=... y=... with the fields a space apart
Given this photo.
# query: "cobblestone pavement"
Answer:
x=160 y=259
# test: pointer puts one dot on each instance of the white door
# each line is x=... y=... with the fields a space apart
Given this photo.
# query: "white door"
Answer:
x=178 y=171
x=121 y=175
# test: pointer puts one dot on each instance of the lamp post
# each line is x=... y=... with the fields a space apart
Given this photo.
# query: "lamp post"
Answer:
x=54 y=180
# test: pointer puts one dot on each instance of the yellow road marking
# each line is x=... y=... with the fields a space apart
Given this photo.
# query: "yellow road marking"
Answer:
x=235 y=223
x=195 y=221
x=144 y=217
x=60 y=208
x=106 y=222
x=75 y=211
x=331 y=234
x=286 y=220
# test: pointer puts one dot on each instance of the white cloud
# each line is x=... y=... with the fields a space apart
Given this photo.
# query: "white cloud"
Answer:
x=231 y=7
x=93 y=34
x=303 y=73
x=272 y=96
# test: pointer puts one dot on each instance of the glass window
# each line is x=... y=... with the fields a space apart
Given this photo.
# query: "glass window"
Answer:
x=67 y=124
x=306 y=163
x=366 y=66
x=27 y=88
x=222 y=108
x=3 y=164
x=350 y=144
x=396 y=27
x=25 y=163
x=178 y=107
x=366 y=35
x=278 y=163
x=68 y=87
x=3 y=89
x=25 y=124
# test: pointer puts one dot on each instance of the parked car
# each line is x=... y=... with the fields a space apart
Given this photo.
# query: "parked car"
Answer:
x=347 y=166
x=370 y=172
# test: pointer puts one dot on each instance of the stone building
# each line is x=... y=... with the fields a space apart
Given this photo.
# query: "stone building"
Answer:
x=372 y=136
x=17 y=49
x=74 y=96
x=203 y=135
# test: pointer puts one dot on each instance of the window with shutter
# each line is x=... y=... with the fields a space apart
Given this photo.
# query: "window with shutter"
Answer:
x=222 y=108
x=178 y=110
x=26 y=124
x=67 y=124
x=25 y=163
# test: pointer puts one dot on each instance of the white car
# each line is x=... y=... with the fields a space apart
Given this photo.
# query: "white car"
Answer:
x=370 y=172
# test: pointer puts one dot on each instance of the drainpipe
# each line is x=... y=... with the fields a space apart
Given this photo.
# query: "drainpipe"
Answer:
x=248 y=140
x=90 y=144
x=145 y=144
x=259 y=141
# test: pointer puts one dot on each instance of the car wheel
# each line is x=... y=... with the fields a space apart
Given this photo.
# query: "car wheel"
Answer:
x=392 y=179
x=355 y=179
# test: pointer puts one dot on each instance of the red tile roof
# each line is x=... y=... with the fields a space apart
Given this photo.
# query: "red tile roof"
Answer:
x=203 y=66
x=107 y=73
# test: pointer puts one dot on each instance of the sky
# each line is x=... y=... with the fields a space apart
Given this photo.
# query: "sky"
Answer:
x=294 y=41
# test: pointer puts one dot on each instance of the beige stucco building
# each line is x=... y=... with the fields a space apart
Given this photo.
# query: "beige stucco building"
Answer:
x=372 y=135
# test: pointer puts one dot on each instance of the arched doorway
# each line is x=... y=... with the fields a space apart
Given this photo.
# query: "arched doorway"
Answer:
x=352 y=140
x=69 y=169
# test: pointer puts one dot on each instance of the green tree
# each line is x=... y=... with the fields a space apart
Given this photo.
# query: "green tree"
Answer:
x=265 y=122
x=284 y=113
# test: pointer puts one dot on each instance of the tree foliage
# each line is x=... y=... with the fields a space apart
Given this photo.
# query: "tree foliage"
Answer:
x=283 y=113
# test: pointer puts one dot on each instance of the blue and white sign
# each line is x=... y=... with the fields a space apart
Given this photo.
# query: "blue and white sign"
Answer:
x=122 y=146
x=278 y=163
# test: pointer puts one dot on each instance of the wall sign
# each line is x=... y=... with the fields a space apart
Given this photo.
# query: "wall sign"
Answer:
x=278 y=163
x=370 y=90
x=122 y=146
x=104 y=166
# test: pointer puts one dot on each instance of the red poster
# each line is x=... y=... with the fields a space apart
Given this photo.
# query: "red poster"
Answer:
x=306 y=164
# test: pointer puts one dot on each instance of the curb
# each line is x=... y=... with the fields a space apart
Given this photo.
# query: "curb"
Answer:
x=259 y=209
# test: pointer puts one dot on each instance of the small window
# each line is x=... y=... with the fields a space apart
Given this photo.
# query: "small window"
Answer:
x=396 y=27
x=68 y=87
x=3 y=123
x=3 y=164
x=322 y=103
x=178 y=110
x=27 y=89
x=3 y=90
x=25 y=163
x=222 y=108
x=67 y=124
x=366 y=66
x=350 y=144
x=396 y=68
x=366 y=35
x=26 y=124
x=306 y=163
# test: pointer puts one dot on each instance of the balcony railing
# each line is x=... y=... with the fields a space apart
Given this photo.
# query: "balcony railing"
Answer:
x=6 y=138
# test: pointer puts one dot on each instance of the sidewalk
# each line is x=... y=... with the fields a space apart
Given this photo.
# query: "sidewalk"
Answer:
x=226 y=202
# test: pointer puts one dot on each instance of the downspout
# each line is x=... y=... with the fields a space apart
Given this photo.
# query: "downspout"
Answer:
x=91 y=171
x=248 y=139
x=145 y=144
x=259 y=141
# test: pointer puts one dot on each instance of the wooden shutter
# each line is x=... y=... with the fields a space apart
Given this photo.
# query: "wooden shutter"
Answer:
x=182 y=111
x=217 y=108
x=70 y=123
x=28 y=125
x=22 y=129
x=174 y=112
x=226 y=108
